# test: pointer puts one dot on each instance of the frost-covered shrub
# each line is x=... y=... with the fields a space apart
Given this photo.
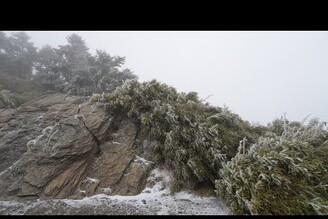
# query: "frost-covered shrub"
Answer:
x=193 y=137
x=314 y=132
x=286 y=174
x=17 y=85
x=14 y=90
x=10 y=100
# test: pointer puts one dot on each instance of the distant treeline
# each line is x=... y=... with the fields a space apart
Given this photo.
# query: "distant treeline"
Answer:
x=70 y=68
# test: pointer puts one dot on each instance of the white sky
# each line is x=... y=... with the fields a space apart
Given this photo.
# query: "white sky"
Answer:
x=259 y=75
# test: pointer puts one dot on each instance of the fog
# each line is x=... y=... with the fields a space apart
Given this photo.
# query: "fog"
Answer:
x=258 y=75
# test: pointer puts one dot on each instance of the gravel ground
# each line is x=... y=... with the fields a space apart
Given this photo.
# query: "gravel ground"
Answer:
x=105 y=205
x=151 y=201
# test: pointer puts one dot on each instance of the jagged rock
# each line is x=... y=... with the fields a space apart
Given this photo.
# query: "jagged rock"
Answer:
x=68 y=147
x=117 y=168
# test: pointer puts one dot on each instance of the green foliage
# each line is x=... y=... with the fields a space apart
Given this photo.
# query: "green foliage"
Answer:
x=193 y=137
x=286 y=174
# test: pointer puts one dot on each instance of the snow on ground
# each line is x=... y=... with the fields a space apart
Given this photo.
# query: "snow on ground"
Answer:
x=151 y=201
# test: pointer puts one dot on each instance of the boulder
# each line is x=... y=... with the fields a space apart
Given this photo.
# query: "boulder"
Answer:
x=68 y=147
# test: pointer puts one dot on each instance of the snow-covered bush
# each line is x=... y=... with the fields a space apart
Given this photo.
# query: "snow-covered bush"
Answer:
x=193 y=137
x=280 y=174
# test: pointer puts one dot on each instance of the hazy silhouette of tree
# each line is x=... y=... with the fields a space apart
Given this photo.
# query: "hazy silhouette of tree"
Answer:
x=5 y=63
x=105 y=71
x=48 y=74
x=74 y=64
x=21 y=55
x=69 y=68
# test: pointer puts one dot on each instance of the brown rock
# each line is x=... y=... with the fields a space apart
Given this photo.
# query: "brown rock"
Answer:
x=63 y=185
x=116 y=156
x=68 y=147
x=134 y=180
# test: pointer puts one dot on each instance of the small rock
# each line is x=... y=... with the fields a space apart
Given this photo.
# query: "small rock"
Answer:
x=144 y=201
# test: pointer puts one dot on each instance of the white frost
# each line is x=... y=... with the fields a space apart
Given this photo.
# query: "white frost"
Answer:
x=88 y=179
x=30 y=143
x=78 y=116
x=143 y=160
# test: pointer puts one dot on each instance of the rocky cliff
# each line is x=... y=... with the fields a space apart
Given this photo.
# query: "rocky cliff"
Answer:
x=68 y=147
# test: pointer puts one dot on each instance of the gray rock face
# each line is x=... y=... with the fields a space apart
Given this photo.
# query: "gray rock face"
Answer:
x=67 y=147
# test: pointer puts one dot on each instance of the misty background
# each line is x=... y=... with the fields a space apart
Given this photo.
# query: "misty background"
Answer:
x=258 y=75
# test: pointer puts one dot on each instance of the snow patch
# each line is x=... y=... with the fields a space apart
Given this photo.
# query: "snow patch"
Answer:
x=115 y=142
x=93 y=108
x=47 y=130
x=143 y=160
x=30 y=143
x=33 y=142
x=83 y=191
x=88 y=179
x=106 y=190
x=78 y=116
